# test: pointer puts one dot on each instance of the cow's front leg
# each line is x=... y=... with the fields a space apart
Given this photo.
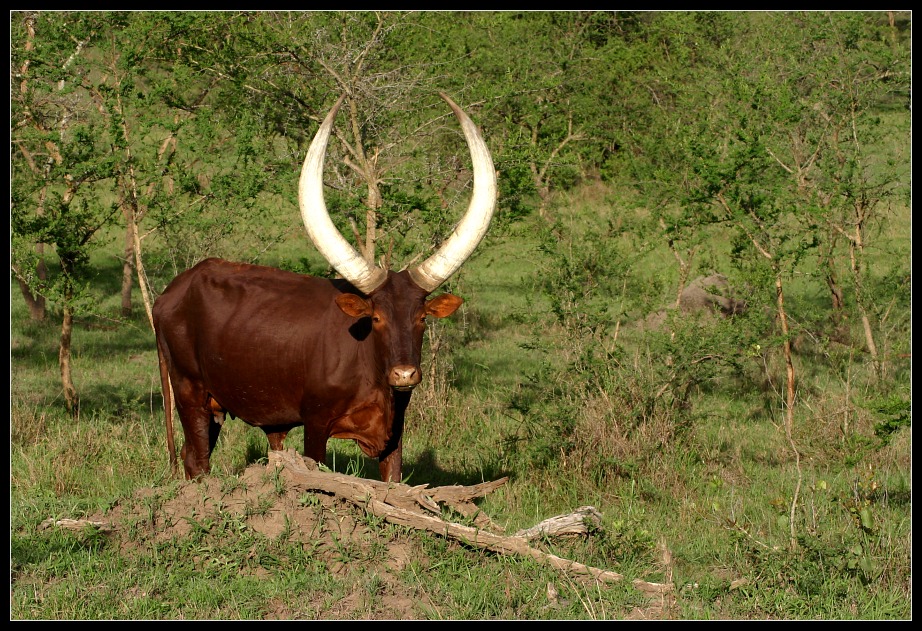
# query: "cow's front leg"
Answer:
x=315 y=446
x=390 y=465
x=390 y=462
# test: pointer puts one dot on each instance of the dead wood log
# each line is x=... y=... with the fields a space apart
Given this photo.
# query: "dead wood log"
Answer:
x=76 y=524
x=411 y=498
x=400 y=504
x=580 y=521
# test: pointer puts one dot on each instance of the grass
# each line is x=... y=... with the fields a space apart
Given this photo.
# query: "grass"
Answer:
x=696 y=495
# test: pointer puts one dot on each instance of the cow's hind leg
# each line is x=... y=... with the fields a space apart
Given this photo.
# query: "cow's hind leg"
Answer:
x=218 y=415
x=199 y=428
x=276 y=436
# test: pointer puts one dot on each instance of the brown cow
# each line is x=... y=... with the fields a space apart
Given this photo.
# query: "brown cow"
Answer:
x=278 y=349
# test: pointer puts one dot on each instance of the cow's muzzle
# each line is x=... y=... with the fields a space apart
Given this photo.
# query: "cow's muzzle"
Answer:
x=404 y=378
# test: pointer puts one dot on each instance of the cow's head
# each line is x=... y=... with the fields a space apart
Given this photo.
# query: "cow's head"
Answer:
x=397 y=303
x=396 y=314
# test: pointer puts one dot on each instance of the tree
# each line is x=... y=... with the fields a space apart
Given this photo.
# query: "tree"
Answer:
x=541 y=77
x=291 y=66
x=55 y=126
x=34 y=300
x=134 y=90
x=109 y=123
x=765 y=132
x=847 y=71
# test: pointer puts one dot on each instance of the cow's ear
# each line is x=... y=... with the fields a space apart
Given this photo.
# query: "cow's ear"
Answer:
x=353 y=305
x=443 y=306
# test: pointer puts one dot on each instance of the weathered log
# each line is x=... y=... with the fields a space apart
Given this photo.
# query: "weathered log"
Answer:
x=580 y=521
x=76 y=524
x=410 y=498
x=392 y=502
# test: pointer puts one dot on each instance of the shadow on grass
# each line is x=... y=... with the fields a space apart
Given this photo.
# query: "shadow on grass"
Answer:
x=117 y=399
x=116 y=339
x=421 y=470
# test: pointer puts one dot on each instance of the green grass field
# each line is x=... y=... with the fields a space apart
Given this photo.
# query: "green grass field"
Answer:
x=547 y=376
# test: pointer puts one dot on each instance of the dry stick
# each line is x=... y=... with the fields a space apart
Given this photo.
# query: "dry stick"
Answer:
x=482 y=538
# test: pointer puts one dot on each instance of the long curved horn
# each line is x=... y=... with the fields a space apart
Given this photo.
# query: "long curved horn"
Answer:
x=344 y=258
x=473 y=226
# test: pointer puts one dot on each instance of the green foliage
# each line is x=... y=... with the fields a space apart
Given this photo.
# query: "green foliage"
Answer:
x=897 y=414
x=660 y=145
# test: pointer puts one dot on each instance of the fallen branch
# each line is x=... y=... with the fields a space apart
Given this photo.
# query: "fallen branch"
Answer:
x=422 y=508
x=400 y=504
x=580 y=521
x=76 y=524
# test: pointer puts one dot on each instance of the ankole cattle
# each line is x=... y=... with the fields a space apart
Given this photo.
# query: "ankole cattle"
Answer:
x=277 y=349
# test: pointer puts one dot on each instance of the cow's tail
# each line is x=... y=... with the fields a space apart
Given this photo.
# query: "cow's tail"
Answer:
x=167 y=405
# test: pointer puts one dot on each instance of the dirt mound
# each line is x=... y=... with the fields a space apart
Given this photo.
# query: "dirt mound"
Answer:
x=342 y=525
x=264 y=501
x=256 y=498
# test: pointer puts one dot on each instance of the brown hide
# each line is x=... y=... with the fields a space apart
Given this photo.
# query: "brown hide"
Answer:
x=277 y=350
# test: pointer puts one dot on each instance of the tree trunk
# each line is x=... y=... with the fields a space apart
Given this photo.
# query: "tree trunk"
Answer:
x=856 y=251
x=544 y=198
x=789 y=399
x=835 y=292
x=146 y=299
x=128 y=263
x=371 y=229
x=71 y=400
x=372 y=204
x=35 y=302
x=827 y=263
x=684 y=266
x=541 y=174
